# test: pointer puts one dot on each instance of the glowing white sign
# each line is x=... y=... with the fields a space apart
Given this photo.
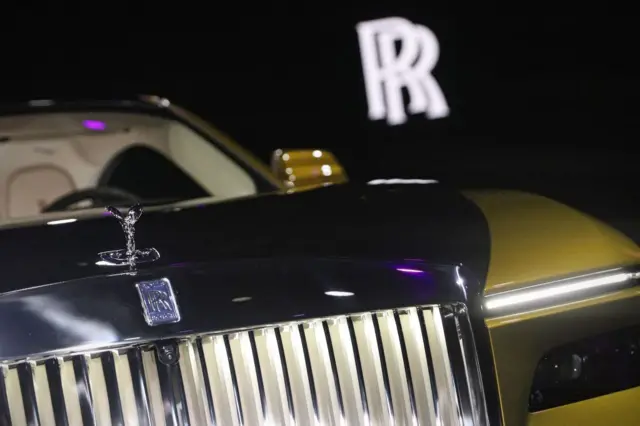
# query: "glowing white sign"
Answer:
x=387 y=69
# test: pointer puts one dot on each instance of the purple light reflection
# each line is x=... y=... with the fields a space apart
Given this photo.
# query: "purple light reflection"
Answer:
x=94 y=125
x=410 y=270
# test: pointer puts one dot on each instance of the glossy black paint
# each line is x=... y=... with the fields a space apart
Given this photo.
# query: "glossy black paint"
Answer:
x=106 y=311
x=423 y=222
x=284 y=251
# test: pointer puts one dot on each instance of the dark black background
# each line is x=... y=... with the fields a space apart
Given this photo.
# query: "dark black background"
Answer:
x=533 y=99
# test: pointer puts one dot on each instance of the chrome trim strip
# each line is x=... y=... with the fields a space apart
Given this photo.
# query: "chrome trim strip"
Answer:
x=556 y=292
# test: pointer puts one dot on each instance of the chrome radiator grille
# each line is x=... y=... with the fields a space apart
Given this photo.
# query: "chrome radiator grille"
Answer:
x=403 y=367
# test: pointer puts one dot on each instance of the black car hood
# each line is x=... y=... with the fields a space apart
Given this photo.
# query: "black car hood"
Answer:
x=425 y=222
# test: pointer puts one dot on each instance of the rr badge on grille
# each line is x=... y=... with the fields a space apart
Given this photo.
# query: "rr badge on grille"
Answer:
x=158 y=302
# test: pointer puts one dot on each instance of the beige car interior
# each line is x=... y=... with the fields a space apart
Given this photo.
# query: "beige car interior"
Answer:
x=45 y=156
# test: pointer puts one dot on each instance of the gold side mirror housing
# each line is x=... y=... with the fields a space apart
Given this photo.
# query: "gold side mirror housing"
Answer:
x=307 y=169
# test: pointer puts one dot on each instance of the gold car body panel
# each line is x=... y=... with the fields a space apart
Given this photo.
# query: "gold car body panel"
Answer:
x=620 y=408
x=535 y=239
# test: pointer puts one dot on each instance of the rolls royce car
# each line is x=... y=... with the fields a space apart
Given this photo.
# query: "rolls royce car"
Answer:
x=155 y=273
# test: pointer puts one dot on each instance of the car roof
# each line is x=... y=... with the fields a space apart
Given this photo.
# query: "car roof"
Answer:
x=140 y=103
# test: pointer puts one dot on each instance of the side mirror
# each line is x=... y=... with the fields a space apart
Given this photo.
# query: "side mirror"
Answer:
x=307 y=169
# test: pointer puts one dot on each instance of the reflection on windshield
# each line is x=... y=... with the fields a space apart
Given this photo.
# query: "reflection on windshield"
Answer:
x=60 y=162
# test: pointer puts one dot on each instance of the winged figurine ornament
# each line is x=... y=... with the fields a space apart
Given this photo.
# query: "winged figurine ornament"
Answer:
x=130 y=255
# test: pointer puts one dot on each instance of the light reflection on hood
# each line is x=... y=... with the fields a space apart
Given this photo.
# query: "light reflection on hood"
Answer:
x=61 y=316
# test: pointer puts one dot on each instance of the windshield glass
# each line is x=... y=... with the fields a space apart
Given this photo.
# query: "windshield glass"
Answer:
x=53 y=162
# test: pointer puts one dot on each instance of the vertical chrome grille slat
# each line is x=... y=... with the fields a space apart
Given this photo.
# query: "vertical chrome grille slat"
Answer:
x=99 y=391
x=154 y=393
x=70 y=391
x=406 y=368
x=173 y=395
x=447 y=403
x=300 y=377
x=219 y=373
x=125 y=388
x=276 y=403
x=59 y=407
x=258 y=371
x=285 y=372
x=358 y=365
x=14 y=397
x=113 y=393
x=383 y=366
x=5 y=415
x=139 y=384
x=246 y=376
x=207 y=383
x=346 y=369
x=395 y=368
x=465 y=367
x=411 y=366
x=27 y=384
x=332 y=363
x=323 y=374
x=450 y=327
x=234 y=380
x=424 y=388
x=43 y=394
x=83 y=386
x=377 y=397
x=194 y=385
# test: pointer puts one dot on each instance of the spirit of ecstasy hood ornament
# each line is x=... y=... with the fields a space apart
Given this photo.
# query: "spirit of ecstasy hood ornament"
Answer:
x=129 y=256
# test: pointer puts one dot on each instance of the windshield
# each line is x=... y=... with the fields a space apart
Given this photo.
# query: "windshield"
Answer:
x=58 y=161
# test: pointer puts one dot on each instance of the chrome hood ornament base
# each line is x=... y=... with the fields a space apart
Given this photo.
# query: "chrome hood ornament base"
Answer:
x=129 y=256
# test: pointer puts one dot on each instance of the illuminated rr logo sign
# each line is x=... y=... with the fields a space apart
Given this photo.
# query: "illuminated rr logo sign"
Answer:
x=388 y=70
